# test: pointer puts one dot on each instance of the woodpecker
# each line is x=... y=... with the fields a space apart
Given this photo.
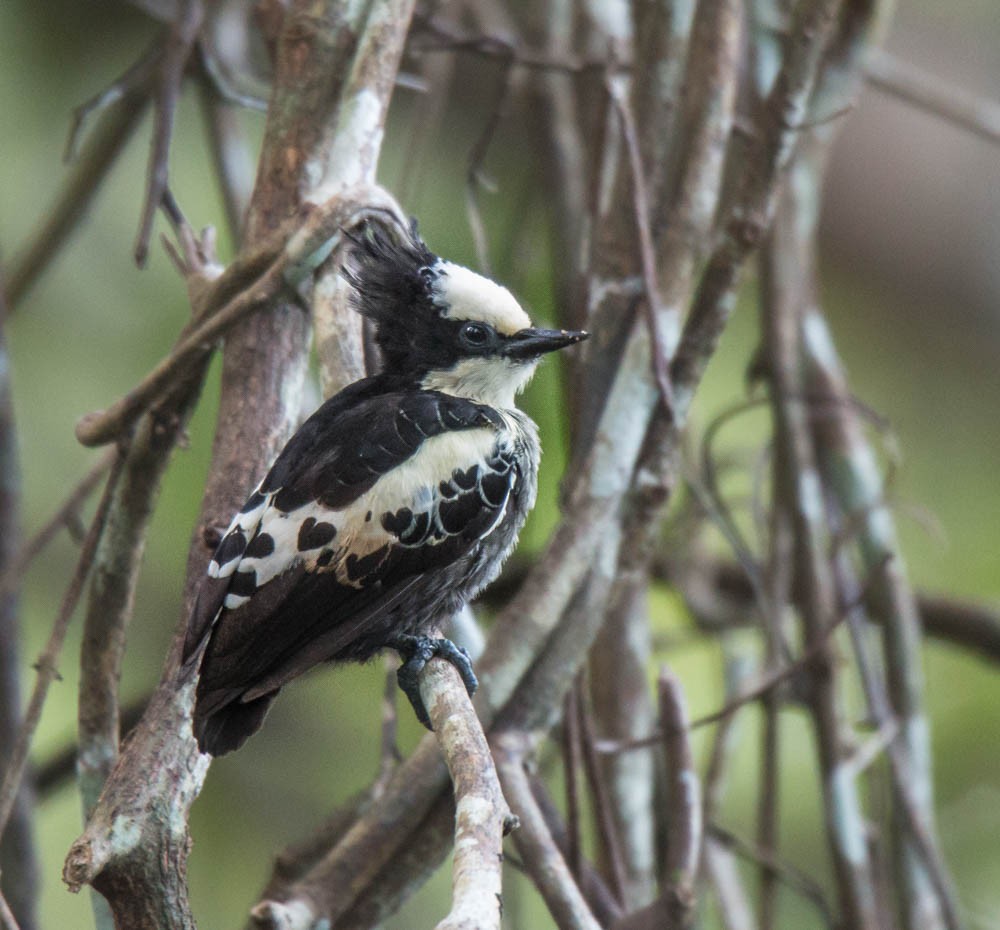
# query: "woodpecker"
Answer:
x=395 y=503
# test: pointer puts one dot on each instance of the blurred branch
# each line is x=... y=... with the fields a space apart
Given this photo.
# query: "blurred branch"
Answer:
x=934 y=95
x=675 y=907
x=7 y=919
x=66 y=515
x=178 y=43
x=89 y=169
x=47 y=664
x=59 y=767
x=232 y=155
x=721 y=598
x=754 y=691
x=785 y=872
x=18 y=854
x=799 y=488
x=434 y=35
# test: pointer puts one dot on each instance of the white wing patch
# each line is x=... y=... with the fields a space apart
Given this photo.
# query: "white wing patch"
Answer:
x=264 y=541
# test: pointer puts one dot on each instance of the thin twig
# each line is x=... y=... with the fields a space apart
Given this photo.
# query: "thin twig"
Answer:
x=474 y=178
x=54 y=770
x=446 y=38
x=120 y=553
x=658 y=319
x=178 y=43
x=799 y=491
x=47 y=662
x=785 y=872
x=232 y=156
x=255 y=283
x=721 y=599
x=135 y=81
x=106 y=143
x=767 y=683
x=934 y=95
x=19 y=871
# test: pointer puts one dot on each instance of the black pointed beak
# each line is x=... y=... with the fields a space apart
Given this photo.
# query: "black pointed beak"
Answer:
x=530 y=343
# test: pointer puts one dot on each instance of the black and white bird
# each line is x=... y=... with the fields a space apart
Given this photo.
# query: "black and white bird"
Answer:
x=393 y=504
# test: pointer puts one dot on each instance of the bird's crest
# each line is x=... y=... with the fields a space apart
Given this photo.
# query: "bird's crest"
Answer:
x=393 y=272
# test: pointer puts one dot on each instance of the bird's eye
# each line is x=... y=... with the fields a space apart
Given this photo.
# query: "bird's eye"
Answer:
x=476 y=335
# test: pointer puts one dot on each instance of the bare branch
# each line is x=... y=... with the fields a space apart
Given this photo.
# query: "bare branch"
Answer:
x=482 y=817
x=256 y=284
x=88 y=172
x=535 y=844
x=178 y=44
x=18 y=853
x=934 y=95
x=263 y=367
x=119 y=557
x=47 y=664
x=785 y=872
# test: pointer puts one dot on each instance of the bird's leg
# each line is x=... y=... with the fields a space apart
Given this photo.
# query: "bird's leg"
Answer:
x=416 y=652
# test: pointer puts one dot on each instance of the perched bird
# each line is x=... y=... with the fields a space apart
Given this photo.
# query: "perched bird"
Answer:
x=393 y=504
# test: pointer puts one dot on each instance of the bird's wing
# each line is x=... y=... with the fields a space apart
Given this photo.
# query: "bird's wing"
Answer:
x=361 y=503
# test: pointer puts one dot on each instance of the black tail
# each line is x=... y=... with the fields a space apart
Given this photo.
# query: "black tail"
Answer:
x=221 y=728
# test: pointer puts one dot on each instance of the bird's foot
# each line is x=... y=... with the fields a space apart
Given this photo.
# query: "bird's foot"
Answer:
x=416 y=652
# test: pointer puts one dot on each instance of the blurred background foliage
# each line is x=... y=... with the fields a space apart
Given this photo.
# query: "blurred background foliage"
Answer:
x=912 y=289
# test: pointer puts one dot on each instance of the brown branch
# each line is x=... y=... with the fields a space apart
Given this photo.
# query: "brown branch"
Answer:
x=799 y=489
x=662 y=322
x=263 y=364
x=232 y=155
x=474 y=177
x=436 y=36
x=610 y=841
x=675 y=906
x=59 y=767
x=595 y=890
x=685 y=807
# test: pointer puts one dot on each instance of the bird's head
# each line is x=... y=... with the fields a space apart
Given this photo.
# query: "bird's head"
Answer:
x=442 y=326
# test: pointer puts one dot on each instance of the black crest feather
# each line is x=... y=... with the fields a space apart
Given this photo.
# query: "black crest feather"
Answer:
x=393 y=273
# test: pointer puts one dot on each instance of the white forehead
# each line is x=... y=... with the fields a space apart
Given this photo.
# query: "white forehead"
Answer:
x=465 y=295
